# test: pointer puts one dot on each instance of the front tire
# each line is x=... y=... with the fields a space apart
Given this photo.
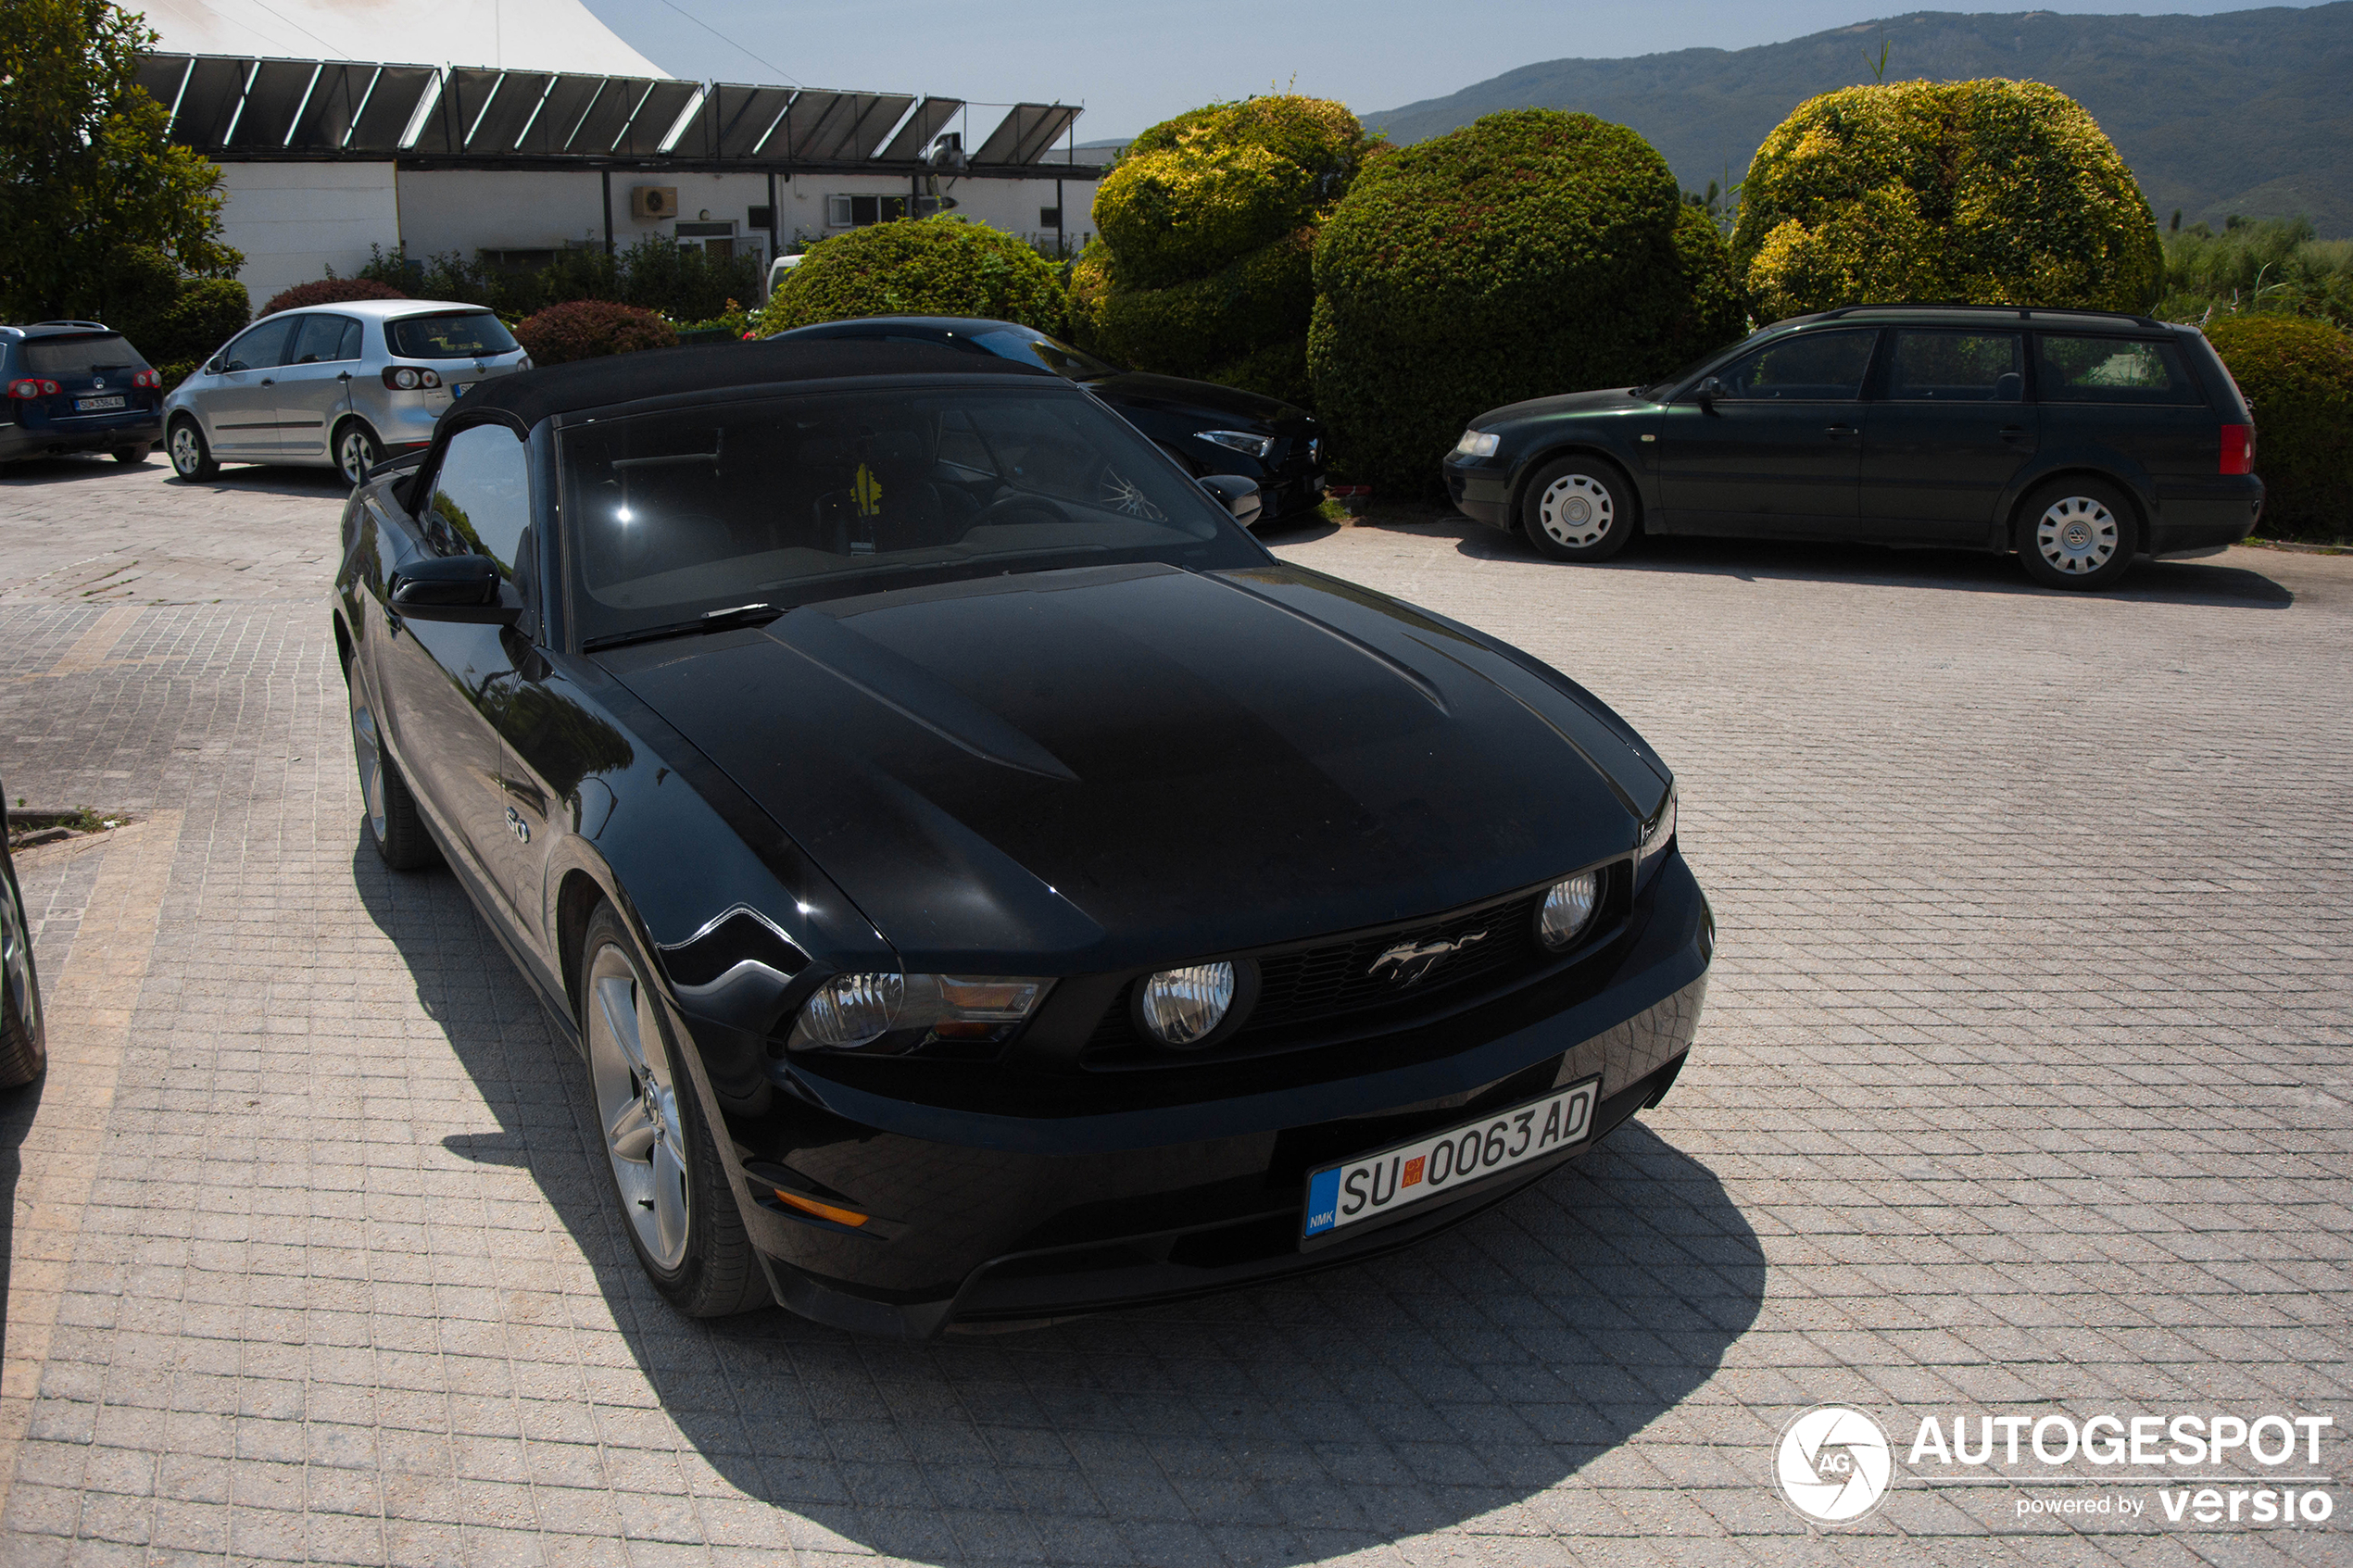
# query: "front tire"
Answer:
x=190 y=456
x=676 y=1205
x=388 y=813
x=23 y=1051
x=1577 y=509
x=2077 y=534
x=356 y=450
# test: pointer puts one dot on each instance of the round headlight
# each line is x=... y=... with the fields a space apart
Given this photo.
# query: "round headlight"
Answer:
x=851 y=1009
x=1183 y=1007
x=1569 y=908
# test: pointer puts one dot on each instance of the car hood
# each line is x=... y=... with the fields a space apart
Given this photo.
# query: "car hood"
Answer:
x=1611 y=400
x=1203 y=399
x=1078 y=770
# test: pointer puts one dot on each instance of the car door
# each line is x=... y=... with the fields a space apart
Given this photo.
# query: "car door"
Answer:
x=1778 y=448
x=242 y=409
x=446 y=679
x=314 y=385
x=1949 y=432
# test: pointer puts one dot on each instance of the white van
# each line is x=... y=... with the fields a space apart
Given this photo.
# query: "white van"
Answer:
x=778 y=268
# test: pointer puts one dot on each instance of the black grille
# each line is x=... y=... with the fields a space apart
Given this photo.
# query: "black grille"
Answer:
x=1304 y=987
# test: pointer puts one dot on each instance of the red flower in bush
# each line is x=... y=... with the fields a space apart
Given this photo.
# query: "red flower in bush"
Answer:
x=330 y=291
x=583 y=329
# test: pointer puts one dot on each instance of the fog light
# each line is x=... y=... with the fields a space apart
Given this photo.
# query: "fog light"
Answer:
x=1569 y=908
x=1183 y=1007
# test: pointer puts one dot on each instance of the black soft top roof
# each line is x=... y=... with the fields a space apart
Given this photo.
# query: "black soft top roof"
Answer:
x=522 y=400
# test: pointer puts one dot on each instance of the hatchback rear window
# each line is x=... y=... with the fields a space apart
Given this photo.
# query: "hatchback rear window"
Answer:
x=80 y=356
x=2111 y=369
x=475 y=335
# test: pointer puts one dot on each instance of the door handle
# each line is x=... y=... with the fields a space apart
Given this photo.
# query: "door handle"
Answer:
x=2014 y=432
x=345 y=376
x=1835 y=431
x=267 y=382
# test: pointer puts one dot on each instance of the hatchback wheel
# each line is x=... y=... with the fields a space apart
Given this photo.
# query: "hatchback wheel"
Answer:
x=1578 y=510
x=356 y=450
x=388 y=811
x=2077 y=534
x=675 y=1203
x=191 y=459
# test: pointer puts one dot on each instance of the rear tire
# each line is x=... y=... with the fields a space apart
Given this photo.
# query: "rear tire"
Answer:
x=1577 y=509
x=388 y=814
x=356 y=450
x=190 y=456
x=23 y=1051
x=2077 y=534
x=676 y=1205
x=131 y=455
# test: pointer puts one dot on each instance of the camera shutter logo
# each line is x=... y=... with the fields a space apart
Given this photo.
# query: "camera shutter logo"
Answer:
x=1834 y=1464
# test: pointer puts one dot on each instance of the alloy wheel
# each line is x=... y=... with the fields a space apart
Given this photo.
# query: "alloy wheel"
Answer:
x=2077 y=535
x=367 y=749
x=1577 y=511
x=638 y=1106
x=356 y=453
x=187 y=450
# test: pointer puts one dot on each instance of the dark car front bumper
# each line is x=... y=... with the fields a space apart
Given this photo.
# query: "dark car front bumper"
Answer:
x=1480 y=489
x=983 y=1219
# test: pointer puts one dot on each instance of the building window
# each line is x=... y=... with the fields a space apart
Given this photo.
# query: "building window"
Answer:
x=1049 y=217
x=858 y=212
x=759 y=217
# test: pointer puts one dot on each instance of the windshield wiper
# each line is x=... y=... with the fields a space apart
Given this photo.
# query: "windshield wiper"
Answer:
x=710 y=620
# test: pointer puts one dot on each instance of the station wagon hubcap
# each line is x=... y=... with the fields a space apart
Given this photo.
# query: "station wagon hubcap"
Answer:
x=184 y=449
x=1576 y=510
x=367 y=752
x=2077 y=535
x=638 y=1103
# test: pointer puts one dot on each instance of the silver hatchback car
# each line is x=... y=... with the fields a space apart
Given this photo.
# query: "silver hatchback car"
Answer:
x=341 y=386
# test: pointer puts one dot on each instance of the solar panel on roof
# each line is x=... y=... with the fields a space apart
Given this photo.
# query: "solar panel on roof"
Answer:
x=1026 y=133
x=917 y=132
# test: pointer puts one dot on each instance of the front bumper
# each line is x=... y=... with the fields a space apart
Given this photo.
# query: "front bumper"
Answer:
x=1480 y=489
x=983 y=1219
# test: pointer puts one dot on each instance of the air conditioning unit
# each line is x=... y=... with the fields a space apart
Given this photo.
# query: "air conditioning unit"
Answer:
x=649 y=202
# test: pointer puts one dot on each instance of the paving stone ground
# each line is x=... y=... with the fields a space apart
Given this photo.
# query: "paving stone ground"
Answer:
x=2024 y=1088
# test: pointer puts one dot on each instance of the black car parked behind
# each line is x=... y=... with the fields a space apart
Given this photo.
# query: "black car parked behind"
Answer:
x=1207 y=428
x=76 y=386
x=2078 y=439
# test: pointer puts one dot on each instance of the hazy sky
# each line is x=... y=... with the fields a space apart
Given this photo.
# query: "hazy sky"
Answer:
x=1133 y=65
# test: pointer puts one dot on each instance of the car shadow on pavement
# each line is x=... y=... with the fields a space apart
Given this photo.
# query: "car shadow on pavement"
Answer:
x=232 y=480
x=1284 y=1423
x=2203 y=582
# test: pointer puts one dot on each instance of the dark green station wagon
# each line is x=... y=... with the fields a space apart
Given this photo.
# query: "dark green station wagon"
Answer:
x=2078 y=439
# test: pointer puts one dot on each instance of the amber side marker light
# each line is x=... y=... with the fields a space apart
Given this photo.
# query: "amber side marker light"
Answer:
x=822 y=1210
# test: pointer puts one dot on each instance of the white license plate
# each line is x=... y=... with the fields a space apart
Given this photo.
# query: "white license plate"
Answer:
x=95 y=405
x=1375 y=1185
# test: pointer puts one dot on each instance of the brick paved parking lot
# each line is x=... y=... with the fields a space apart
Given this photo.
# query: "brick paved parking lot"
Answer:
x=2024 y=1090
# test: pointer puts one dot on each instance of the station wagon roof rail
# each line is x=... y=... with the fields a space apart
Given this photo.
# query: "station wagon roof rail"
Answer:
x=2022 y=311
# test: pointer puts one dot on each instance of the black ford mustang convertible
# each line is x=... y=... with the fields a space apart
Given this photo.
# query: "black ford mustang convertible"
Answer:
x=984 y=884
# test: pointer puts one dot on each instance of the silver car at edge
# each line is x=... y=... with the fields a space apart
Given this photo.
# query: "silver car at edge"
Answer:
x=342 y=386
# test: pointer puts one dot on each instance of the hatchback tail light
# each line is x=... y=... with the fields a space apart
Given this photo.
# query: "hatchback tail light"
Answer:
x=148 y=379
x=29 y=388
x=2238 y=449
x=410 y=378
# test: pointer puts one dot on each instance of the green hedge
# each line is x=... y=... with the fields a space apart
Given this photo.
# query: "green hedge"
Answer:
x=2298 y=374
x=946 y=266
x=1204 y=263
x=1990 y=193
x=1527 y=254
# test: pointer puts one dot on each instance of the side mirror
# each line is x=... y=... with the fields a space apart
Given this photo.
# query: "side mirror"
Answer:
x=1236 y=493
x=1709 y=391
x=212 y=366
x=463 y=588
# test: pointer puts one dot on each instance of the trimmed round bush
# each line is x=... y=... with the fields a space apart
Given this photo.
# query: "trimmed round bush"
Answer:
x=2297 y=372
x=1982 y=193
x=944 y=266
x=330 y=291
x=1203 y=262
x=585 y=329
x=1527 y=254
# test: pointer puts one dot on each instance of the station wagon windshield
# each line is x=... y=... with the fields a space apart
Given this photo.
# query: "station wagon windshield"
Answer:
x=778 y=501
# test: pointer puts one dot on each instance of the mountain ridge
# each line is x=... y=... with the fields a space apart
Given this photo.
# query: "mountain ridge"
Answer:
x=2252 y=116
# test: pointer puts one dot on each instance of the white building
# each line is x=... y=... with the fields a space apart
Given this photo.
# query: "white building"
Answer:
x=527 y=126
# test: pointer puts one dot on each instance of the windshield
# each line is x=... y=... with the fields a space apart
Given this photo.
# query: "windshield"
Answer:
x=1668 y=384
x=80 y=356
x=475 y=335
x=781 y=501
x=1027 y=348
